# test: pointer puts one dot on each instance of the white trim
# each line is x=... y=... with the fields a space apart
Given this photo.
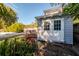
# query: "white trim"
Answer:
x=59 y=33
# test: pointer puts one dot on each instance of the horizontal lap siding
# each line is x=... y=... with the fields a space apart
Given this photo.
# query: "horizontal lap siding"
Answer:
x=68 y=30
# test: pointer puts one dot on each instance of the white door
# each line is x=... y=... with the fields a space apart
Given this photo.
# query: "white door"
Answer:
x=58 y=30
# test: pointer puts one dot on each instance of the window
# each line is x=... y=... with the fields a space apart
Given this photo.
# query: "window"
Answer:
x=57 y=25
x=46 y=26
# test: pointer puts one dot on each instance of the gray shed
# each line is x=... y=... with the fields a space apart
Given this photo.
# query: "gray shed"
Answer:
x=53 y=26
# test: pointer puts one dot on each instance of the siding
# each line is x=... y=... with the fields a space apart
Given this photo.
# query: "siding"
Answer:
x=68 y=30
x=39 y=22
x=40 y=29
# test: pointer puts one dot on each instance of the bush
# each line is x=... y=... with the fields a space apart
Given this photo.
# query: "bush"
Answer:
x=16 y=47
x=16 y=27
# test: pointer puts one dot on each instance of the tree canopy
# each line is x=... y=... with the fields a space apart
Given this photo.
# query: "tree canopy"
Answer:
x=32 y=25
x=2 y=24
x=7 y=14
x=73 y=10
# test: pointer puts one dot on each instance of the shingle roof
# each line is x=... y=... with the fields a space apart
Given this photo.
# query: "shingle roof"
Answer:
x=51 y=16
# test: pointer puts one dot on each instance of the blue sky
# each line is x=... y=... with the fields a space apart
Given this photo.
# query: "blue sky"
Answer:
x=27 y=11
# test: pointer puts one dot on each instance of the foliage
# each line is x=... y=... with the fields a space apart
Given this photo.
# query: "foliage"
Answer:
x=7 y=14
x=16 y=46
x=73 y=10
x=33 y=25
x=76 y=21
x=2 y=24
x=16 y=27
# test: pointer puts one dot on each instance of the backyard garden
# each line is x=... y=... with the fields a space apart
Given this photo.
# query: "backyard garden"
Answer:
x=16 y=46
x=20 y=46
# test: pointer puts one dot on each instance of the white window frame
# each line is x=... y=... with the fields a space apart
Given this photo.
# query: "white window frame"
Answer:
x=57 y=25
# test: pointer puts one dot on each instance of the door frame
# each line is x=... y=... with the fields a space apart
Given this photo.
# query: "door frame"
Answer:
x=58 y=35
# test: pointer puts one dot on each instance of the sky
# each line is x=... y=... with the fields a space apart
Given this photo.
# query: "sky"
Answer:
x=26 y=12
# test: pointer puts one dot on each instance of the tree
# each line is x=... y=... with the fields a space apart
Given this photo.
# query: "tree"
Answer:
x=7 y=14
x=16 y=27
x=32 y=25
x=2 y=24
x=73 y=10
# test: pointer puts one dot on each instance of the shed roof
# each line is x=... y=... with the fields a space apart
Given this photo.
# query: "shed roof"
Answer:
x=53 y=9
x=51 y=16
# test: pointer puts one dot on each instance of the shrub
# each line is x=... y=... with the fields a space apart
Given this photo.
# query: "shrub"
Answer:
x=17 y=47
x=16 y=27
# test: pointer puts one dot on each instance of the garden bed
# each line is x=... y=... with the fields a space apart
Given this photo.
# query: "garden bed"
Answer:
x=16 y=46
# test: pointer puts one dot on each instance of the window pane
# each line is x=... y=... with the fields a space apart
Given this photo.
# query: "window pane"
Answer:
x=46 y=26
x=57 y=25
